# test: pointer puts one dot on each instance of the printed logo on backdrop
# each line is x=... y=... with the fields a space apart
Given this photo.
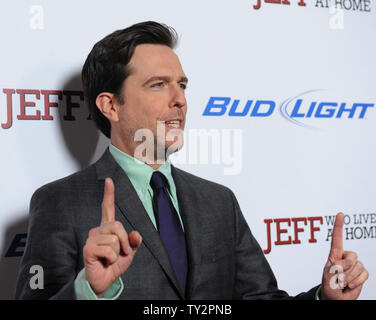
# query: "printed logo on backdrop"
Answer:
x=30 y=104
x=307 y=109
x=303 y=109
x=348 y=5
x=308 y=230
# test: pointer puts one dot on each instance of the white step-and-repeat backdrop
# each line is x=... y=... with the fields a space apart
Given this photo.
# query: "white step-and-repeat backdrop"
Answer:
x=281 y=109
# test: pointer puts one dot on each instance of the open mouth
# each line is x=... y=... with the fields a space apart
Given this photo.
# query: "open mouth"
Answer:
x=175 y=124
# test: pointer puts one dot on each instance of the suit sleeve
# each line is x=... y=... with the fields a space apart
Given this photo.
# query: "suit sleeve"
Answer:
x=51 y=244
x=254 y=277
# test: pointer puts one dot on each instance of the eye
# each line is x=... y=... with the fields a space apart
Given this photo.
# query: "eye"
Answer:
x=183 y=85
x=157 y=84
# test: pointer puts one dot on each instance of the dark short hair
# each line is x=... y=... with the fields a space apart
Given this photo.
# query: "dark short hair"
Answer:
x=106 y=66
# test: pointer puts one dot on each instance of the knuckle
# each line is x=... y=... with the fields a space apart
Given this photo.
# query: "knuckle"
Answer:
x=350 y=255
x=118 y=225
x=87 y=249
x=112 y=255
x=93 y=232
x=107 y=250
x=114 y=240
x=120 y=229
x=88 y=242
x=358 y=268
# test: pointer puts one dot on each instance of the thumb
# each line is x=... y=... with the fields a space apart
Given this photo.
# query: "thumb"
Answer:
x=336 y=248
x=126 y=258
x=135 y=240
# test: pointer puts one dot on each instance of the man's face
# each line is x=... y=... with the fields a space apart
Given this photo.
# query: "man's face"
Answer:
x=153 y=94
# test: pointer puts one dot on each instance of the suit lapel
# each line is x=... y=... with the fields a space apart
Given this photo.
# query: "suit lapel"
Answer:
x=190 y=211
x=134 y=212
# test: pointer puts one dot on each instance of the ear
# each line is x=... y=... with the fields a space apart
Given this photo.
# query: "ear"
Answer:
x=108 y=105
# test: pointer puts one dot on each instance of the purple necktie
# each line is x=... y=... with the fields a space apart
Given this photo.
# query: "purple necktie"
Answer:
x=170 y=229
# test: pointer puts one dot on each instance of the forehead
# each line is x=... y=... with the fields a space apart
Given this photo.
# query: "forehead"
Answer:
x=151 y=59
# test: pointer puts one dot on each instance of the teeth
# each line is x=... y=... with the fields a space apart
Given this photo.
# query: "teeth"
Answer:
x=174 y=123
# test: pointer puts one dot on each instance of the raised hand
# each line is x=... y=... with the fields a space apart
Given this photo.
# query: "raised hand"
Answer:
x=109 y=250
x=344 y=275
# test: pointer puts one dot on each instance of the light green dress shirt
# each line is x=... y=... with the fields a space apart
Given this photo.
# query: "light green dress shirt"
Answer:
x=139 y=174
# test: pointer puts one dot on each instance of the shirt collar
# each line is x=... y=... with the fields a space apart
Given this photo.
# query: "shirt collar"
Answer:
x=139 y=173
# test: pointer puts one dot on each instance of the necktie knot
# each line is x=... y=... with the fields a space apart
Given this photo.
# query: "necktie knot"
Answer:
x=157 y=181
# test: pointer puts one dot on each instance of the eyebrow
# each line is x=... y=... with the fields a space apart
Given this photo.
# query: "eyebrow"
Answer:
x=165 y=78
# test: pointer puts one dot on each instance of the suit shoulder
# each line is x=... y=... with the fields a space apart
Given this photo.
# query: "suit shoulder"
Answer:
x=72 y=183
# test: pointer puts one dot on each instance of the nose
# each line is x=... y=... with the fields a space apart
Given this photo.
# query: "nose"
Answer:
x=177 y=97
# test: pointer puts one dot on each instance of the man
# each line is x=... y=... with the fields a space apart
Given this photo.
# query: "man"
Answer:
x=132 y=226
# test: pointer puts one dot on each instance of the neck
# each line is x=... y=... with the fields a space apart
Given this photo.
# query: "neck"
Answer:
x=150 y=159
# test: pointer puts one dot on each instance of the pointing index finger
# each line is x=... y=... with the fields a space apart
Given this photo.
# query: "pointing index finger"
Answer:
x=108 y=204
x=336 y=250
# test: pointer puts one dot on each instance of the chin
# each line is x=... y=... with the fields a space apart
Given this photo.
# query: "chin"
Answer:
x=171 y=147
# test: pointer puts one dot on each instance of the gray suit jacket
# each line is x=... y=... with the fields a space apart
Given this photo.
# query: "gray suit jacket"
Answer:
x=225 y=261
